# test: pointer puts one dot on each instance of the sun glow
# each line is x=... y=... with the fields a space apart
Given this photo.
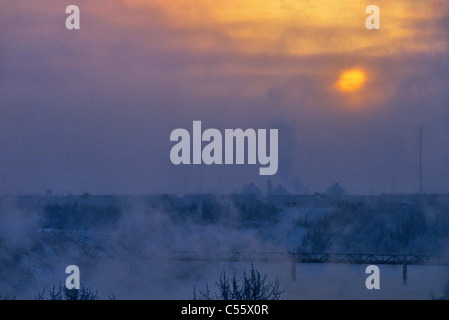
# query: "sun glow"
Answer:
x=351 y=80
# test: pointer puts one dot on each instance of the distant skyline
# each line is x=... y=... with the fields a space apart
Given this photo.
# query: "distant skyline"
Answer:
x=92 y=110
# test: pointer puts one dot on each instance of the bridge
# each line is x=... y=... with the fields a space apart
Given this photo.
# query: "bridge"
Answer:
x=294 y=258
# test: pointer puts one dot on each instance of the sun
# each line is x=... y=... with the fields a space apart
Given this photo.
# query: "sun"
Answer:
x=351 y=80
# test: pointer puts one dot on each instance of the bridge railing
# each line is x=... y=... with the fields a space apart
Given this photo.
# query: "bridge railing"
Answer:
x=342 y=258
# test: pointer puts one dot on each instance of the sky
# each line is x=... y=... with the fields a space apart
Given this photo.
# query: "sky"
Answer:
x=91 y=110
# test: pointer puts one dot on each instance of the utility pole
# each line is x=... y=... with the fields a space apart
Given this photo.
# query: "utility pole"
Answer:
x=420 y=161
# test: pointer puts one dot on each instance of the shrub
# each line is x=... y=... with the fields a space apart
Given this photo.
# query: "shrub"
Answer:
x=62 y=293
x=251 y=285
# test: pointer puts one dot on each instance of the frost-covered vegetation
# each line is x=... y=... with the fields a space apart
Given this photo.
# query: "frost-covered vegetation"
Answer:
x=78 y=216
x=118 y=241
x=399 y=229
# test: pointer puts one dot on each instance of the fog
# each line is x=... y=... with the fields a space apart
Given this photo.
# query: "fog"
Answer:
x=132 y=258
x=92 y=110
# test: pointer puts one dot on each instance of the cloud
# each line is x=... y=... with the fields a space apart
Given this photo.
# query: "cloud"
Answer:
x=92 y=110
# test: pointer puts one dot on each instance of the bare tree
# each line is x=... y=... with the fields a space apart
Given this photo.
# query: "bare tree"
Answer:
x=251 y=285
x=62 y=293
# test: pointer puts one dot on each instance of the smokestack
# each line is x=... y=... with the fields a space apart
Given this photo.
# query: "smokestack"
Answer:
x=269 y=188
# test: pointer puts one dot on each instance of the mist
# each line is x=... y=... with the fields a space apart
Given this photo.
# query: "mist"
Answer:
x=86 y=116
x=130 y=254
x=92 y=111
